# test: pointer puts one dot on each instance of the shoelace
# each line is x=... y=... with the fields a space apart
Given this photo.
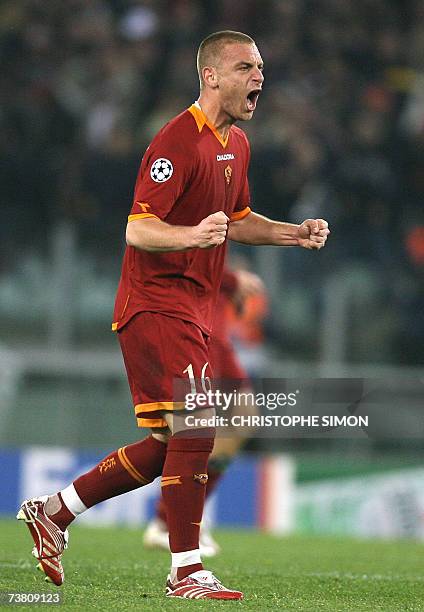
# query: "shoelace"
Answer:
x=211 y=581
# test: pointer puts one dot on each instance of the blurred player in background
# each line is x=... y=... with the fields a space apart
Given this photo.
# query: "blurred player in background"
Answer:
x=236 y=288
x=191 y=194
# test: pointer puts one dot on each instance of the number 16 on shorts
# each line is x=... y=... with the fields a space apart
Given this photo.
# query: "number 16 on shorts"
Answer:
x=204 y=380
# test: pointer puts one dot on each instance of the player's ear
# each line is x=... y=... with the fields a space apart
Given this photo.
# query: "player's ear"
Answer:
x=210 y=77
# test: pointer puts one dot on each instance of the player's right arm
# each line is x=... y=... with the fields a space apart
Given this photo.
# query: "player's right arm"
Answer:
x=167 y=168
x=152 y=234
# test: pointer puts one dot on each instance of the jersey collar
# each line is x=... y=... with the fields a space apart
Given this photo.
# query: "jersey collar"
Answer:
x=202 y=120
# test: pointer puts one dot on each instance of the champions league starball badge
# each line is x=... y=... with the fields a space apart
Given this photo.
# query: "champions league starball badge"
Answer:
x=161 y=170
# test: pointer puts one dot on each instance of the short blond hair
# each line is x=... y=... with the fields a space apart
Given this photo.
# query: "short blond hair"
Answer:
x=211 y=47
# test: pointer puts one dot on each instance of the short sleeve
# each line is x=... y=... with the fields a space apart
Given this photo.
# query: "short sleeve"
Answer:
x=164 y=172
x=242 y=208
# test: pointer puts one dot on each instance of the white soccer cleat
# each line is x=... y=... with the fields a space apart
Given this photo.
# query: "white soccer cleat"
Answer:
x=49 y=540
x=200 y=585
x=156 y=537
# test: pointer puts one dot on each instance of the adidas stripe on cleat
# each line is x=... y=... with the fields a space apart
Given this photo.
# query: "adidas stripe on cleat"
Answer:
x=200 y=585
x=49 y=540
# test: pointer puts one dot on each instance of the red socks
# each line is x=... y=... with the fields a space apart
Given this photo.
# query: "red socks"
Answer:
x=161 y=510
x=183 y=465
x=183 y=490
x=216 y=469
x=64 y=517
x=128 y=468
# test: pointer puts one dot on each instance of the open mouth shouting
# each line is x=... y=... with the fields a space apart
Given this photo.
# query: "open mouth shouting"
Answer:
x=252 y=98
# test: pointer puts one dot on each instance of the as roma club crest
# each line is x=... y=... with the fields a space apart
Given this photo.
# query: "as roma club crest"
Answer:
x=202 y=478
x=228 y=172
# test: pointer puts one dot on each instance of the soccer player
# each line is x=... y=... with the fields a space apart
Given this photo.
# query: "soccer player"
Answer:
x=191 y=195
x=236 y=287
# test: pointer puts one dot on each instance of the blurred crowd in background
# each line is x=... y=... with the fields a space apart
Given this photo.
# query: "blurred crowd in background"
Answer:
x=338 y=133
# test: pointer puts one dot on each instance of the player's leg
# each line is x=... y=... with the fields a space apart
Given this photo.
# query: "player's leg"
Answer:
x=184 y=479
x=229 y=372
x=183 y=490
x=183 y=487
x=156 y=534
x=123 y=470
x=48 y=517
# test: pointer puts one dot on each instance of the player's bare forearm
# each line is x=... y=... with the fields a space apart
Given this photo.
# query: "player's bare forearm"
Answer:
x=153 y=235
x=256 y=229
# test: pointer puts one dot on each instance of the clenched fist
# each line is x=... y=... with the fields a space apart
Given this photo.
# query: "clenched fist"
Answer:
x=312 y=233
x=211 y=231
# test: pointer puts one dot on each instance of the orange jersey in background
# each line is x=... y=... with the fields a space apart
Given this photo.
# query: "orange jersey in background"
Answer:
x=230 y=322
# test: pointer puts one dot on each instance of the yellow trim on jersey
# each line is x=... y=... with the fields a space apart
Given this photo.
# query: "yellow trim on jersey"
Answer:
x=240 y=214
x=142 y=216
x=202 y=120
x=152 y=406
x=116 y=323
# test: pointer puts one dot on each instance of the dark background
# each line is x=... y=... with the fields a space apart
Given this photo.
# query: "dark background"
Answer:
x=338 y=133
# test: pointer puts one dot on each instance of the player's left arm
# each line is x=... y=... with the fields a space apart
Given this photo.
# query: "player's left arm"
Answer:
x=256 y=229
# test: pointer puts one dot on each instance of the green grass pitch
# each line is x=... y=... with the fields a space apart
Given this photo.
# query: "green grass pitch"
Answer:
x=107 y=569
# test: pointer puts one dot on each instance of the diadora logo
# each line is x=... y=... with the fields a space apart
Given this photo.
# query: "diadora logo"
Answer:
x=225 y=157
x=144 y=206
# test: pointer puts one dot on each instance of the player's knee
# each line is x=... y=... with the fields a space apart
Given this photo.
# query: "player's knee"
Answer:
x=162 y=435
x=199 y=440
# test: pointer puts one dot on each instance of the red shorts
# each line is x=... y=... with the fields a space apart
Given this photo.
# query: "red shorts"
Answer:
x=157 y=350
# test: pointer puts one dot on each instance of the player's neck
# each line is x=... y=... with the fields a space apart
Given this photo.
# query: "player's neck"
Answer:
x=215 y=116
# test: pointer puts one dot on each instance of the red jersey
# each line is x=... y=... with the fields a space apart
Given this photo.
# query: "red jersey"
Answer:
x=187 y=173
